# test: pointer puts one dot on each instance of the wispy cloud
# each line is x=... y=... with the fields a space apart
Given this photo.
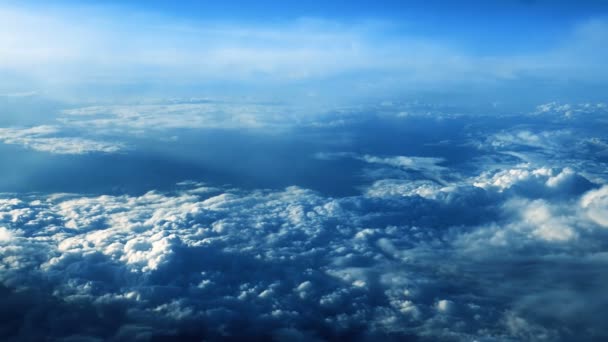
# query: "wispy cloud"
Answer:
x=85 y=45
x=48 y=139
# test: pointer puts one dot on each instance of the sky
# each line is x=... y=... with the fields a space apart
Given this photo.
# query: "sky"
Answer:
x=303 y=171
x=366 y=49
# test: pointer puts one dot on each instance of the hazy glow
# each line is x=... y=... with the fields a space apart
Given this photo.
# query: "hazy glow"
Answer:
x=83 y=46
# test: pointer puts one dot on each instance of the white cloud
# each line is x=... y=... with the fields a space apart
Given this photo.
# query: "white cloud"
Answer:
x=43 y=138
x=428 y=252
x=444 y=305
x=288 y=258
x=595 y=203
x=412 y=163
x=404 y=187
x=584 y=111
x=5 y=235
x=529 y=181
x=547 y=225
x=130 y=119
x=428 y=166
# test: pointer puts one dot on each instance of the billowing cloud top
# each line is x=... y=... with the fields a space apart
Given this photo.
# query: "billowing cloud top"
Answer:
x=490 y=228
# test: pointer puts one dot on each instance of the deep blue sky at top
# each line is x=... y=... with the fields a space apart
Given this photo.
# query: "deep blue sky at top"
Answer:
x=485 y=27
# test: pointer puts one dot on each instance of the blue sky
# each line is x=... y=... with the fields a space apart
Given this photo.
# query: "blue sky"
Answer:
x=485 y=25
x=375 y=49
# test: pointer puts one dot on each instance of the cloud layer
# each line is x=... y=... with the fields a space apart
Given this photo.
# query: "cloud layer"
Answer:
x=293 y=264
x=457 y=226
x=293 y=185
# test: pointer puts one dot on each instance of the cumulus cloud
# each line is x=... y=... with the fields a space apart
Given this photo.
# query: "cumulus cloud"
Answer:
x=528 y=181
x=596 y=205
x=553 y=136
x=218 y=263
x=499 y=243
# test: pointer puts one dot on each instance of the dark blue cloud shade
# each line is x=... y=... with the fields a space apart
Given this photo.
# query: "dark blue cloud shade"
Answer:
x=321 y=171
